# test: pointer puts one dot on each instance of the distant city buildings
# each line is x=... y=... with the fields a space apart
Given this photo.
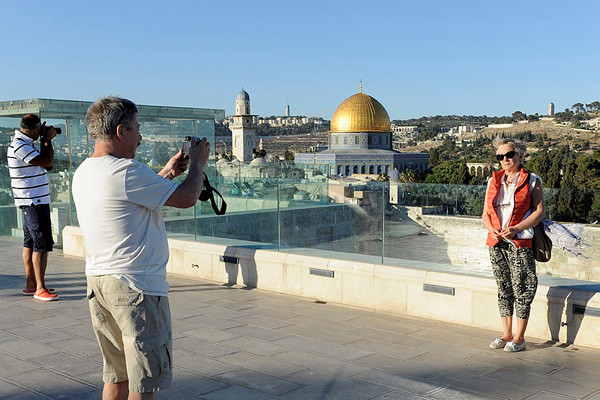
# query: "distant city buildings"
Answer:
x=280 y=121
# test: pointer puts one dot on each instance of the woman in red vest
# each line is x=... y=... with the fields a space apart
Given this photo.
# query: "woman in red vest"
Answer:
x=514 y=204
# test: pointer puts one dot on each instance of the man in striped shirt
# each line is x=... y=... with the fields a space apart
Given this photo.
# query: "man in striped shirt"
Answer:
x=31 y=192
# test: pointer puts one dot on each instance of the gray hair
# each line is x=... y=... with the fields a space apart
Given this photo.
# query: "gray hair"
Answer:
x=519 y=145
x=104 y=115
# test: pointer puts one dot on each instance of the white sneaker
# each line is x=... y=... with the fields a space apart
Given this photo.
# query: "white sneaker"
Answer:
x=498 y=343
x=514 y=347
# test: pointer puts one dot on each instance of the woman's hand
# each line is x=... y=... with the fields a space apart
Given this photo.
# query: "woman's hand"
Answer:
x=509 y=233
x=495 y=234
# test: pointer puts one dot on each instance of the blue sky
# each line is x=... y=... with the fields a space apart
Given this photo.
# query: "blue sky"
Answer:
x=418 y=58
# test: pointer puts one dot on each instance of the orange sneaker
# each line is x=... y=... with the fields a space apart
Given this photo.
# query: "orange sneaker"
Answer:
x=45 y=295
x=31 y=292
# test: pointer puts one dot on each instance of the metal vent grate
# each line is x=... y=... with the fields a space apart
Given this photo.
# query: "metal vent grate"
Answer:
x=447 y=290
x=321 y=272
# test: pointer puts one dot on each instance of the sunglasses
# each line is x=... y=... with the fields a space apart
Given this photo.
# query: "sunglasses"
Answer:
x=510 y=155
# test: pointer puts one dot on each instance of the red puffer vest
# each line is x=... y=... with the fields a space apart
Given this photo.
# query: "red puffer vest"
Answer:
x=522 y=205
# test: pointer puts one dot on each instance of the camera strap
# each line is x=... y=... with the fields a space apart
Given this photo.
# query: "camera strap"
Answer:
x=208 y=193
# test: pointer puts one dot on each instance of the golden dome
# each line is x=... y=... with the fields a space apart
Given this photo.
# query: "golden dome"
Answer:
x=360 y=113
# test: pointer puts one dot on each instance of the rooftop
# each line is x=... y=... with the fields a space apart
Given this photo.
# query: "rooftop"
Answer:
x=234 y=343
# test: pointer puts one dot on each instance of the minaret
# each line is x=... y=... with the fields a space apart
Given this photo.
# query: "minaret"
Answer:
x=287 y=110
x=551 y=110
x=243 y=128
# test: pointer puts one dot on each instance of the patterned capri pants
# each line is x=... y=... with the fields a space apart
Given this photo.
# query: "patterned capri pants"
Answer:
x=514 y=270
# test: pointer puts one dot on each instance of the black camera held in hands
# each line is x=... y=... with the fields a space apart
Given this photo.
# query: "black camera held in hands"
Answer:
x=44 y=130
x=44 y=140
x=208 y=192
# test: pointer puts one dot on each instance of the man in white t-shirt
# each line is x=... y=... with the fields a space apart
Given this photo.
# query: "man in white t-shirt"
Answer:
x=119 y=207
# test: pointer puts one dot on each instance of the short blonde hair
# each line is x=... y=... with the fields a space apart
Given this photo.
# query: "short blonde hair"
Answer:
x=519 y=145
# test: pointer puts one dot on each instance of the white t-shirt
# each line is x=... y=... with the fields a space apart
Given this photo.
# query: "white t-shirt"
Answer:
x=119 y=204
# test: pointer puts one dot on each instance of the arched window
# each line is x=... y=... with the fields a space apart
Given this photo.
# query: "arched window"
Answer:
x=339 y=170
x=362 y=169
x=371 y=169
x=347 y=170
x=355 y=170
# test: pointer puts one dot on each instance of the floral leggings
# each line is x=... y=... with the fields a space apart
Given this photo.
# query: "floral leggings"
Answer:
x=514 y=270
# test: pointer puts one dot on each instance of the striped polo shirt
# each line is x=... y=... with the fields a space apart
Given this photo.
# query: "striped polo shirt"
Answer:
x=29 y=183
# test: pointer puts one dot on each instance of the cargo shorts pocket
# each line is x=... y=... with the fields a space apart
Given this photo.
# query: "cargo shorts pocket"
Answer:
x=155 y=355
x=95 y=310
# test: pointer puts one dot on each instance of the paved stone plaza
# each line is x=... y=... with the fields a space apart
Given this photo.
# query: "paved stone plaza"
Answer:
x=233 y=343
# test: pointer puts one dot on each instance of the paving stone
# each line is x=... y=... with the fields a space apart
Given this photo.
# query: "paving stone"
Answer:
x=345 y=387
x=198 y=321
x=66 y=364
x=195 y=384
x=548 y=396
x=11 y=391
x=52 y=384
x=199 y=364
x=378 y=347
x=417 y=383
x=388 y=337
x=78 y=346
x=440 y=361
x=485 y=385
x=256 y=346
x=236 y=393
x=14 y=366
x=548 y=384
x=313 y=393
x=321 y=334
x=575 y=376
x=210 y=334
x=396 y=395
x=334 y=350
x=262 y=364
x=25 y=349
x=259 y=382
x=384 y=324
x=448 y=349
x=83 y=330
x=450 y=393
x=203 y=347
x=320 y=362
x=501 y=359
x=257 y=332
x=39 y=334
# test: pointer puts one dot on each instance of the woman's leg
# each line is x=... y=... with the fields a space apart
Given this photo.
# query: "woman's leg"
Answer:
x=524 y=283
x=502 y=273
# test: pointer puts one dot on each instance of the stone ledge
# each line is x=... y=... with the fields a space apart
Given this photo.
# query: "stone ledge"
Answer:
x=392 y=288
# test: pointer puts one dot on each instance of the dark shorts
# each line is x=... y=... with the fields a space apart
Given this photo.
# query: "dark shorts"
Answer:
x=37 y=230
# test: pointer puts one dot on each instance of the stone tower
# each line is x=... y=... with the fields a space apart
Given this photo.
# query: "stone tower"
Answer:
x=287 y=110
x=243 y=128
x=551 y=109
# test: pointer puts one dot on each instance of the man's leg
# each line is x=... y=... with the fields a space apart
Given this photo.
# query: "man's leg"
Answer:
x=115 y=391
x=40 y=261
x=30 y=282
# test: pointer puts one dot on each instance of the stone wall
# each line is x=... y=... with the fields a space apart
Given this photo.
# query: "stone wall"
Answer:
x=465 y=237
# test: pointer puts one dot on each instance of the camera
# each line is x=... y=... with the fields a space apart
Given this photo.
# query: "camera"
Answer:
x=44 y=129
x=208 y=192
x=188 y=142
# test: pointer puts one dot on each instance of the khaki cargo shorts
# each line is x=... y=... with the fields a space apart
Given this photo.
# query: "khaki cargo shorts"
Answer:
x=134 y=333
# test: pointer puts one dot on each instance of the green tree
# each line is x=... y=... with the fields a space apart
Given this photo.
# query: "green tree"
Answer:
x=288 y=156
